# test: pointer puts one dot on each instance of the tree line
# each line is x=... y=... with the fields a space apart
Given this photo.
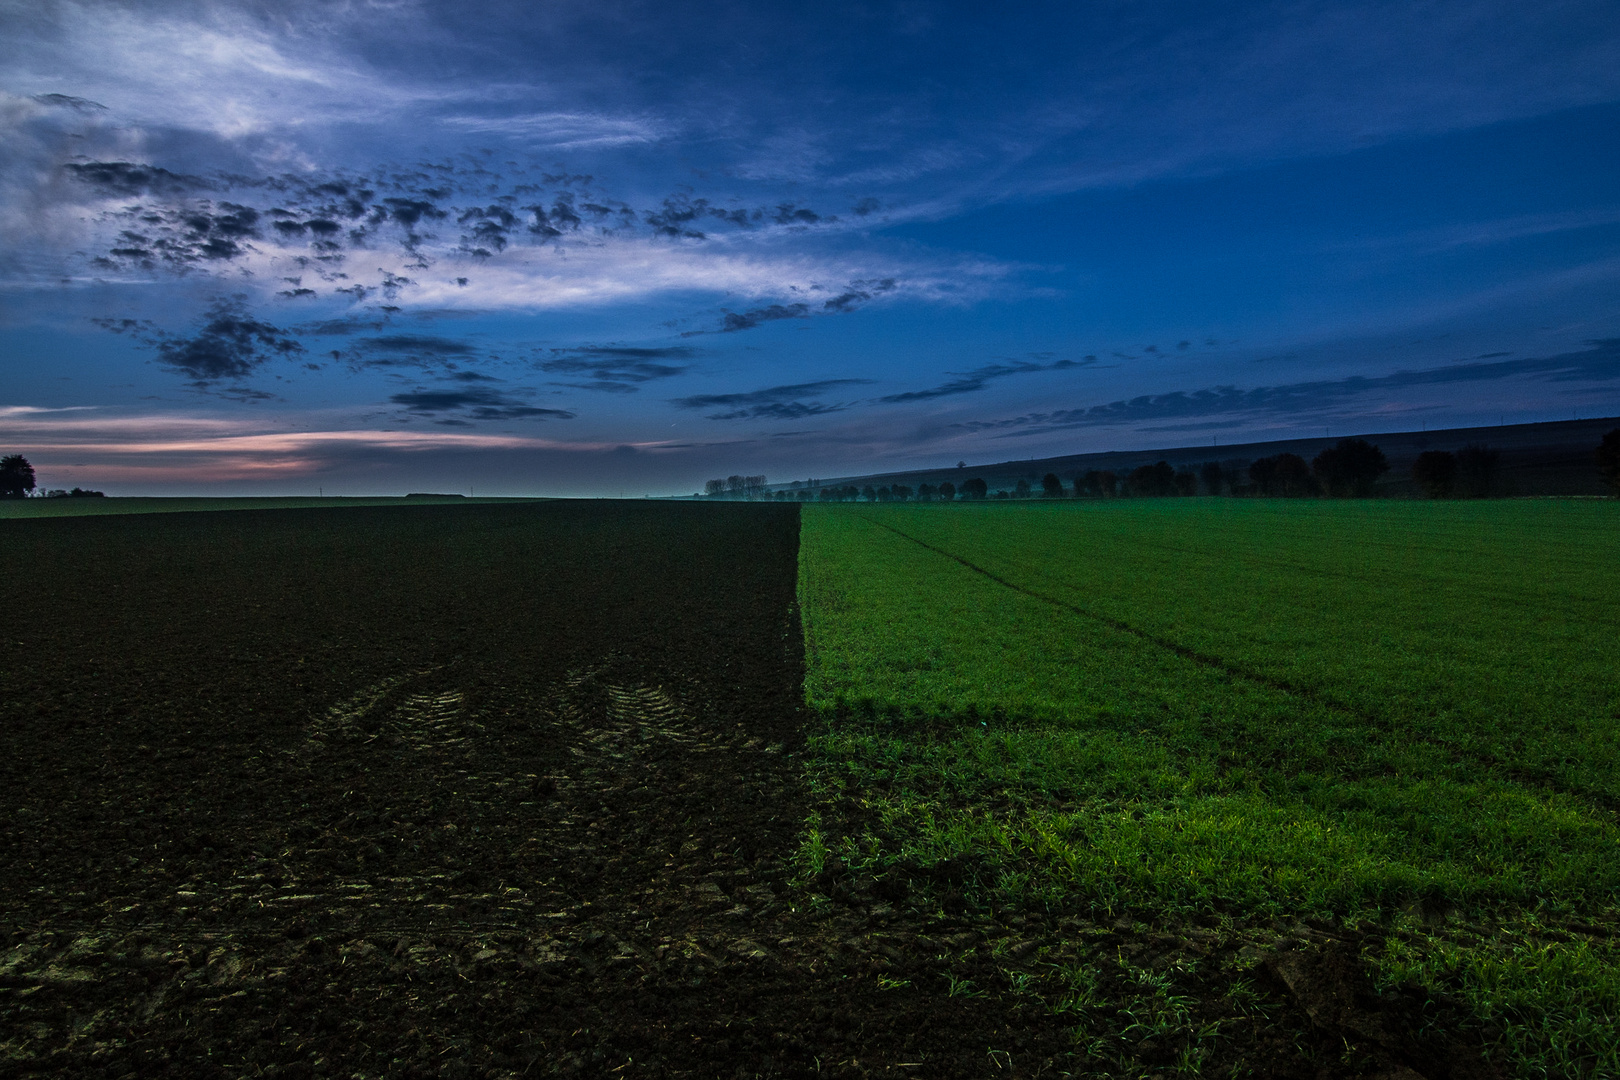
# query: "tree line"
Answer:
x=17 y=481
x=1351 y=468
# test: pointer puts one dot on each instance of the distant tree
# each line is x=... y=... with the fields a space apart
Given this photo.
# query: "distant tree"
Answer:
x=849 y=493
x=1156 y=479
x=884 y=494
x=1282 y=475
x=901 y=492
x=1021 y=489
x=975 y=488
x=753 y=487
x=1294 y=476
x=1108 y=483
x=1051 y=486
x=1001 y=493
x=806 y=495
x=1608 y=460
x=1435 y=471
x=1478 y=468
x=926 y=492
x=735 y=485
x=1186 y=482
x=1263 y=475
x=16 y=477
x=714 y=488
x=869 y=493
x=947 y=491
x=1350 y=468
x=1213 y=476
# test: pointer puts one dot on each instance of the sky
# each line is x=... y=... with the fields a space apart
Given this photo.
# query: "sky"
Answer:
x=608 y=248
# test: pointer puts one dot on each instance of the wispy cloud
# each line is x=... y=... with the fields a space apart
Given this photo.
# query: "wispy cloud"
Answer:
x=617 y=369
x=971 y=382
x=772 y=403
x=1600 y=363
x=562 y=131
x=474 y=404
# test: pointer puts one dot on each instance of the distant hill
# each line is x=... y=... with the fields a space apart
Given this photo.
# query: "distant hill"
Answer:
x=1553 y=458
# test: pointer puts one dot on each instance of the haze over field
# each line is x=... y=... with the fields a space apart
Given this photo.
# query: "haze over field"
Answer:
x=619 y=247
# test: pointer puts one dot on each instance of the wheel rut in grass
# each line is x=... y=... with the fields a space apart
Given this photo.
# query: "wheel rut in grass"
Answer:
x=1238 y=671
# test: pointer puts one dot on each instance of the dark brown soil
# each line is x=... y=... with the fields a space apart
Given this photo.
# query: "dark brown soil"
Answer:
x=489 y=791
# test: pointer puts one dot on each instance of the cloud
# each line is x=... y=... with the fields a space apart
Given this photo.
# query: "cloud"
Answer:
x=563 y=131
x=477 y=404
x=125 y=179
x=974 y=381
x=772 y=403
x=1598 y=363
x=747 y=320
x=617 y=369
x=853 y=295
x=417 y=345
x=231 y=344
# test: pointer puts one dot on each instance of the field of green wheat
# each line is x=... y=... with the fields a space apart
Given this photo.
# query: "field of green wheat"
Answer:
x=1384 y=713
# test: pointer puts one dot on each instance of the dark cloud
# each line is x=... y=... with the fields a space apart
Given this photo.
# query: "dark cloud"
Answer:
x=772 y=403
x=68 y=101
x=202 y=232
x=231 y=344
x=781 y=410
x=417 y=345
x=333 y=215
x=1599 y=363
x=616 y=369
x=342 y=327
x=476 y=405
x=973 y=381
x=858 y=293
x=747 y=320
x=125 y=179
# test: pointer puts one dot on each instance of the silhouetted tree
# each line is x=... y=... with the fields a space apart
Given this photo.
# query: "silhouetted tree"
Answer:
x=753 y=487
x=869 y=493
x=1282 y=475
x=1021 y=489
x=926 y=492
x=901 y=492
x=1186 y=482
x=1477 y=471
x=1294 y=476
x=16 y=477
x=1108 y=481
x=1156 y=479
x=1608 y=459
x=1435 y=471
x=975 y=488
x=1213 y=476
x=1051 y=486
x=1351 y=467
x=947 y=491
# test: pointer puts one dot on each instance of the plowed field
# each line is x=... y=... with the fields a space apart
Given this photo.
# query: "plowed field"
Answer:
x=460 y=791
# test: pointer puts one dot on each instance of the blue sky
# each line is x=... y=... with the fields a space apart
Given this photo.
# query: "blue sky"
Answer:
x=598 y=248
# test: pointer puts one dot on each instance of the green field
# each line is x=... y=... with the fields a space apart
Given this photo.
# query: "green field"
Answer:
x=1396 y=717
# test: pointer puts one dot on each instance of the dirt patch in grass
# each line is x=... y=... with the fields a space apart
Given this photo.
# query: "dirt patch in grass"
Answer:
x=494 y=791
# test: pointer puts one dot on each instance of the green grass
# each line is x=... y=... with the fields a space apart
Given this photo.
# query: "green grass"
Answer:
x=1252 y=708
x=32 y=508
